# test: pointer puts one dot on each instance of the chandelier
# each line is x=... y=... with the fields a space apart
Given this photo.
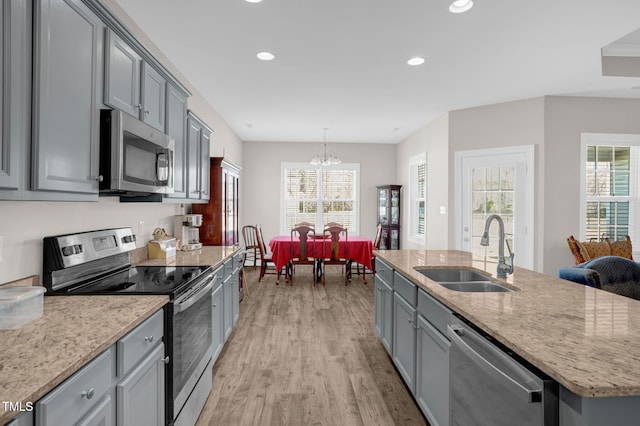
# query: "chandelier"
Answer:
x=324 y=158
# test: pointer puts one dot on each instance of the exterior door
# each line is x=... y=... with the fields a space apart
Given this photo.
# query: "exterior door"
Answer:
x=496 y=181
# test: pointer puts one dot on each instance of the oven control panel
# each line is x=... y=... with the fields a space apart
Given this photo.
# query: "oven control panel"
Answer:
x=64 y=251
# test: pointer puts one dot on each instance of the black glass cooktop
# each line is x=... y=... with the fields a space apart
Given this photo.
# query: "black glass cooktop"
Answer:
x=170 y=280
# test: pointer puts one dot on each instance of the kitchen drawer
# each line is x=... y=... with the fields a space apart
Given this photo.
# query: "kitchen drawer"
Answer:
x=73 y=399
x=434 y=312
x=384 y=271
x=405 y=288
x=135 y=345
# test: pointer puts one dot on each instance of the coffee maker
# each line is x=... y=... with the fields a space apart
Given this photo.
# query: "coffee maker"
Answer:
x=185 y=228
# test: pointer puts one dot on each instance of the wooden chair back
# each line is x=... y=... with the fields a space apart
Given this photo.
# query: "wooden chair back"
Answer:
x=304 y=234
x=250 y=237
x=331 y=252
x=378 y=238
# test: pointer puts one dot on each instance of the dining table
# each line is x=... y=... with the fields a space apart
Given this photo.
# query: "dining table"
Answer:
x=358 y=248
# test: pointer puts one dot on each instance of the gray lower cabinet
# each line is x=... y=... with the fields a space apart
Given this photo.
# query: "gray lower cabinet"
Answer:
x=124 y=385
x=140 y=395
x=81 y=397
x=198 y=153
x=217 y=309
x=404 y=339
x=66 y=62
x=384 y=312
x=432 y=373
x=132 y=85
x=177 y=128
x=432 y=359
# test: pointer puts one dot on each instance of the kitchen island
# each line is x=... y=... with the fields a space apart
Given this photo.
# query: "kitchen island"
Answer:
x=73 y=330
x=586 y=339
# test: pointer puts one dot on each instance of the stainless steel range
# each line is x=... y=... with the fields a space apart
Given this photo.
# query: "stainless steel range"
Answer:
x=98 y=262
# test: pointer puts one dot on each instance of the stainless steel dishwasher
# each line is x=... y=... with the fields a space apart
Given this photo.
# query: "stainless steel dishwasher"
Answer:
x=492 y=386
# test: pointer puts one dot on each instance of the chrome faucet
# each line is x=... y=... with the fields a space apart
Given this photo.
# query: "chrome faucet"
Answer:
x=504 y=266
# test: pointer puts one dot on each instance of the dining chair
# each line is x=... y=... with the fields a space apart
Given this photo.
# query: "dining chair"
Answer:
x=332 y=235
x=249 y=235
x=265 y=257
x=302 y=237
x=376 y=246
x=309 y=224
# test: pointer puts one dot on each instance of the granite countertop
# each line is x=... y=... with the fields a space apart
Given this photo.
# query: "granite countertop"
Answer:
x=207 y=255
x=586 y=339
x=38 y=356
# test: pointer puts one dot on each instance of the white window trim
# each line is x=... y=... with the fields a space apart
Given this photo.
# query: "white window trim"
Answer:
x=608 y=139
x=413 y=187
x=343 y=166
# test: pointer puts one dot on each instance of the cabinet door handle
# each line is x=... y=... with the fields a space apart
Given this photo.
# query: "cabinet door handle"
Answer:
x=165 y=360
x=146 y=112
x=99 y=178
x=139 y=106
x=88 y=394
x=148 y=339
x=214 y=305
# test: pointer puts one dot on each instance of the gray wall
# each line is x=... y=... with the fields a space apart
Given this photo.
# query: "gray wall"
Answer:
x=565 y=119
x=260 y=196
x=433 y=139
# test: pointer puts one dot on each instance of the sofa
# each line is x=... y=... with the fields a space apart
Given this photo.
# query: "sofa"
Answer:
x=610 y=273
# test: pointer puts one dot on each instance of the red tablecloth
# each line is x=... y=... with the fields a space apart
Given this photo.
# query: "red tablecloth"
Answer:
x=360 y=249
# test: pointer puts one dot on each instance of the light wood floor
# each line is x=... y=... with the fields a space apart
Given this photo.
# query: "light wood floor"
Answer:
x=302 y=355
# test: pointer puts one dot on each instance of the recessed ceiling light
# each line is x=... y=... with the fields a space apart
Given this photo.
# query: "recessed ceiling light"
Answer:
x=416 y=61
x=253 y=1
x=265 y=56
x=460 y=6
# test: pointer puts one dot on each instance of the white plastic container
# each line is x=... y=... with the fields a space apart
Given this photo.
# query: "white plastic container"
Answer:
x=19 y=305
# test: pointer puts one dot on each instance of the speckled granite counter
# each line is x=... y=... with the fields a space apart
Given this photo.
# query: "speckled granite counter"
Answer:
x=40 y=355
x=207 y=255
x=586 y=339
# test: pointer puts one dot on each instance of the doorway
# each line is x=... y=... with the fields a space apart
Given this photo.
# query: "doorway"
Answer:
x=496 y=181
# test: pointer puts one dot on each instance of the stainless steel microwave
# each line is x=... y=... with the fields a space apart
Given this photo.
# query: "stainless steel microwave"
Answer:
x=135 y=158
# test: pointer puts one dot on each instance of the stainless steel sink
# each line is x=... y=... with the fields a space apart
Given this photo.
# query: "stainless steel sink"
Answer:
x=453 y=275
x=475 y=287
x=463 y=280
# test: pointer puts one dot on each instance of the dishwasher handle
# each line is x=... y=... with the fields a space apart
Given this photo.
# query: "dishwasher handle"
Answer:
x=456 y=334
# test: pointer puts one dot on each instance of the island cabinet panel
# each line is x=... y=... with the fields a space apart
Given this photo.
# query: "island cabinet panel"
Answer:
x=384 y=312
x=432 y=373
x=404 y=340
x=67 y=36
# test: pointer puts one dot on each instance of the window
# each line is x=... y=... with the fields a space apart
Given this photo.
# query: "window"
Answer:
x=320 y=195
x=610 y=186
x=418 y=198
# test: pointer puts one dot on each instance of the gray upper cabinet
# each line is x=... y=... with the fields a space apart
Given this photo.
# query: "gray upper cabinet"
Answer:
x=177 y=129
x=15 y=70
x=198 y=142
x=154 y=88
x=132 y=85
x=67 y=44
x=122 y=75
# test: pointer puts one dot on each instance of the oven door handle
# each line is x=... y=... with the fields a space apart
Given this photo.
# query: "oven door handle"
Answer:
x=185 y=303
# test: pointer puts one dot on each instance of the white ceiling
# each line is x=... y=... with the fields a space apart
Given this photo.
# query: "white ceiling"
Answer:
x=341 y=64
